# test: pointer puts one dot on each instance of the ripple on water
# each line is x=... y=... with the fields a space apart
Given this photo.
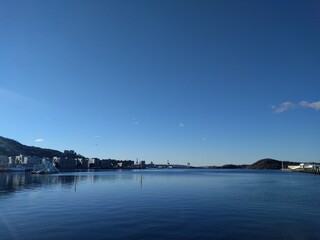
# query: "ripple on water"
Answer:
x=183 y=204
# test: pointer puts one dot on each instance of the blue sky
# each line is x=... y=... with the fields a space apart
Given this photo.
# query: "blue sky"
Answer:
x=205 y=82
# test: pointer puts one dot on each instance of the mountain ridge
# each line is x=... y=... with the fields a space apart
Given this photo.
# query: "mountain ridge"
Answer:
x=10 y=147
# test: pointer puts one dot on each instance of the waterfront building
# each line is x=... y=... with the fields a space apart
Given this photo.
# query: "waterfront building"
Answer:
x=93 y=162
x=16 y=160
x=19 y=159
x=142 y=164
x=303 y=166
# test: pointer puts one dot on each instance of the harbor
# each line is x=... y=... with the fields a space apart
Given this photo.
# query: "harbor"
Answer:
x=306 y=168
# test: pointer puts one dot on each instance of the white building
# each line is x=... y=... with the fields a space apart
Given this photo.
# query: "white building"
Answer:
x=303 y=166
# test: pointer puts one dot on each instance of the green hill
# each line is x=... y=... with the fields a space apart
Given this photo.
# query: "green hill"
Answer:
x=9 y=147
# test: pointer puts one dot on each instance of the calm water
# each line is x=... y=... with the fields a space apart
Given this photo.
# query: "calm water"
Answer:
x=160 y=204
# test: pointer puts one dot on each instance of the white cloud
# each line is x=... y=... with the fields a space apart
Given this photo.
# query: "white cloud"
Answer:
x=97 y=136
x=313 y=105
x=290 y=105
x=181 y=124
x=284 y=107
x=39 y=140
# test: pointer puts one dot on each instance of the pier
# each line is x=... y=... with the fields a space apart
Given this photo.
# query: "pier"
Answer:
x=307 y=168
x=315 y=170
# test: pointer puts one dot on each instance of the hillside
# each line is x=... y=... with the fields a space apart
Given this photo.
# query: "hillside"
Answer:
x=9 y=147
x=269 y=163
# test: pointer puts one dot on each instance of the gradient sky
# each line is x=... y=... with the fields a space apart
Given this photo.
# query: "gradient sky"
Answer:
x=205 y=82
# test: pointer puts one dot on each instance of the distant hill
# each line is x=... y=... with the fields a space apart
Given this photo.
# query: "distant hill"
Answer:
x=230 y=166
x=9 y=147
x=269 y=163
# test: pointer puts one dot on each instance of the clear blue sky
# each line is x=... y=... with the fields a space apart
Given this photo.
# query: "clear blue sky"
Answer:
x=205 y=82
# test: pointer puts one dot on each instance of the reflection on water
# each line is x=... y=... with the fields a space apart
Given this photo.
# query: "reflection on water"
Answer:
x=16 y=181
x=140 y=181
x=160 y=204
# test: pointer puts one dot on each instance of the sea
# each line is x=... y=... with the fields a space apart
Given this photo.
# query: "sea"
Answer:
x=160 y=204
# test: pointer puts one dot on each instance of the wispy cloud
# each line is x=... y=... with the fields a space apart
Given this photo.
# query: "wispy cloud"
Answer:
x=286 y=106
x=14 y=97
x=39 y=140
x=97 y=136
x=313 y=105
x=181 y=124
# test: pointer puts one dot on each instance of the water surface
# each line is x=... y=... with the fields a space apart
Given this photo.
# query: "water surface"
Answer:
x=160 y=204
